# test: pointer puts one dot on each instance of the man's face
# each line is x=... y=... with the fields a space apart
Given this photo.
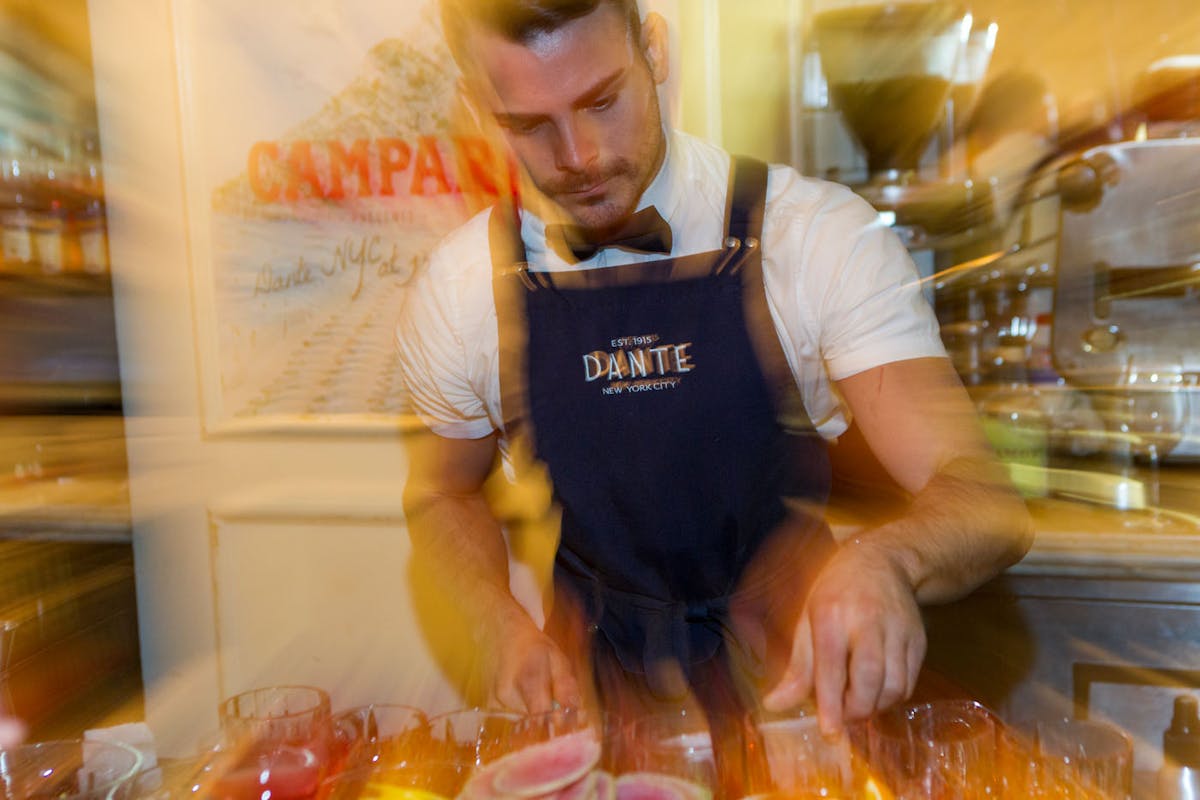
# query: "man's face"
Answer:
x=578 y=107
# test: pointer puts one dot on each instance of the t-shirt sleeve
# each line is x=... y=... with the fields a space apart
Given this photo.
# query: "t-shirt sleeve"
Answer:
x=433 y=360
x=866 y=295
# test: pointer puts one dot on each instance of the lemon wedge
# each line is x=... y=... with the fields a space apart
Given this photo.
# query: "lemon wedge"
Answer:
x=376 y=790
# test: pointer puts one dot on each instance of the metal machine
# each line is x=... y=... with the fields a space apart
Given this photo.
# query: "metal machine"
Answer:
x=1069 y=295
x=1127 y=295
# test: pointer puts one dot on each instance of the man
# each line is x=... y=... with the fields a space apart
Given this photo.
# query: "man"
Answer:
x=647 y=383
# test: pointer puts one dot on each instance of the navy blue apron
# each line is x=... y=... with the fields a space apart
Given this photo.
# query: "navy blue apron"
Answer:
x=689 y=476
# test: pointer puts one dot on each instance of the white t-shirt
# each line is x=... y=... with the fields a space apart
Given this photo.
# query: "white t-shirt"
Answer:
x=842 y=290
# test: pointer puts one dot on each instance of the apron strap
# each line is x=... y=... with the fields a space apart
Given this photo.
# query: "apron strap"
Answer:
x=746 y=200
x=510 y=281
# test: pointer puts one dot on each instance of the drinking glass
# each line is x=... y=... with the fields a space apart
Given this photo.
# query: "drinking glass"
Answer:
x=675 y=743
x=1074 y=759
x=536 y=728
x=386 y=735
x=178 y=778
x=936 y=751
x=276 y=739
x=804 y=763
x=72 y=769
x=473 y=736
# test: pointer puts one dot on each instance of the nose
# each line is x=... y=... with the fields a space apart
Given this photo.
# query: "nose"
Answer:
x=577 y=147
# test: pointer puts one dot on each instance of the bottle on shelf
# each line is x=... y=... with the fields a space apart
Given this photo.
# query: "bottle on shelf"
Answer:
x=16 y=202
x=90 y=218
x=51 y=200
x=1179 y=778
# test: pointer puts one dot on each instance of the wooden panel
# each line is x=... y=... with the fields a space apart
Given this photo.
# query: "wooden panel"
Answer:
x=70 y=656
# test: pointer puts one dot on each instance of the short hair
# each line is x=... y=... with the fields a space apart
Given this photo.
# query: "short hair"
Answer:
x=523 y=20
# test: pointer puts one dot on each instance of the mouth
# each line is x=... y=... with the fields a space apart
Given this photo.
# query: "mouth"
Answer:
x=588 y=191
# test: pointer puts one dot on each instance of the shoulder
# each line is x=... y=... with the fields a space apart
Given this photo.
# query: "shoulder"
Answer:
x=797 y=200
x=703 y=169
x=701 y=160
x=464 y=249
x=450 y=298
x=446 y=334
x=823 y=231
x=457 y=272
x=818 y=234
x=794 y=202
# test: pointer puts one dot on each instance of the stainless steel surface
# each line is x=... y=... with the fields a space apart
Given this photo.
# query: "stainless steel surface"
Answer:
x=1128 y=288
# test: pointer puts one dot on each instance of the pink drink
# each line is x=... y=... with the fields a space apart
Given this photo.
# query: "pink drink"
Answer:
x=285 y=773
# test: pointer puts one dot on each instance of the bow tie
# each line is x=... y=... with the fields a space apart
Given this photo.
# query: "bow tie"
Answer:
x=645 y=231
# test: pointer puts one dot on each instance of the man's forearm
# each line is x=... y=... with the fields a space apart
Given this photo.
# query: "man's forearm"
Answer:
x=965 y=526
x=458 y=539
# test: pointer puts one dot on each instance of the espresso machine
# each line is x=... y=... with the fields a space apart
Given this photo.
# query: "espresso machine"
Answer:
x=888 y=89
x=1127 y=293
x=1071 y=307
x=1104 y=332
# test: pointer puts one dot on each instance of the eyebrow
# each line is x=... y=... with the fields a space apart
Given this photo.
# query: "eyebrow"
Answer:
x=597 y=90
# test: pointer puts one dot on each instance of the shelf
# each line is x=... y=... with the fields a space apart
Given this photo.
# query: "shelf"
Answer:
x=38 y=284
x=68 y=399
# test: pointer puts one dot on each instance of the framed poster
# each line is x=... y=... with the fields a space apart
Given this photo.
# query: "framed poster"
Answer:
x=325 y=151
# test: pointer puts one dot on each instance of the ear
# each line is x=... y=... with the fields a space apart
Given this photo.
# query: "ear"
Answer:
x=654 y=45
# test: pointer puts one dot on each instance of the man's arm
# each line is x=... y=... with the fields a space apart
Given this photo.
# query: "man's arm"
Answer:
x=455 y=534
x=860 y=640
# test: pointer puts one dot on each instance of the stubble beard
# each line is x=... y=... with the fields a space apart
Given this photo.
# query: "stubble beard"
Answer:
x=604 y=211
x=624 y=185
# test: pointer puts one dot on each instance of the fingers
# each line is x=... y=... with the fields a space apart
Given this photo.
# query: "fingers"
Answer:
x=857 y=650
x=564 y=687
x=916 y=655
x=508 y=694
x=535 y=680
x=535 y=690
x=899 y=675
x=856 y=678
x=832 y=646
x=867 y=674
x=796 y=683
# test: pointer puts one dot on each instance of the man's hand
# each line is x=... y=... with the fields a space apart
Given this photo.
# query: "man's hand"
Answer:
x=859 y=642
x=529 y=672
x=458 y=543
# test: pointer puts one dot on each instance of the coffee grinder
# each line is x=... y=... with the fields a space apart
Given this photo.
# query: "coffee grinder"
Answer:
x=891 y=71
x=887 y=90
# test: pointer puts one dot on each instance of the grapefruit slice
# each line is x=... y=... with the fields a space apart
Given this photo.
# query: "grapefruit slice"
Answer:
x=548 y=766
x=657 y=786
x=606 y=785
x=582 y=789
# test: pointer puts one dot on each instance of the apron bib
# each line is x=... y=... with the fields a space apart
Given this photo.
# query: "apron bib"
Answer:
x=690 y=479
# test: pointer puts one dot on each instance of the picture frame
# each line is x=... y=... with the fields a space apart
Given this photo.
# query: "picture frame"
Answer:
x=325 y=152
